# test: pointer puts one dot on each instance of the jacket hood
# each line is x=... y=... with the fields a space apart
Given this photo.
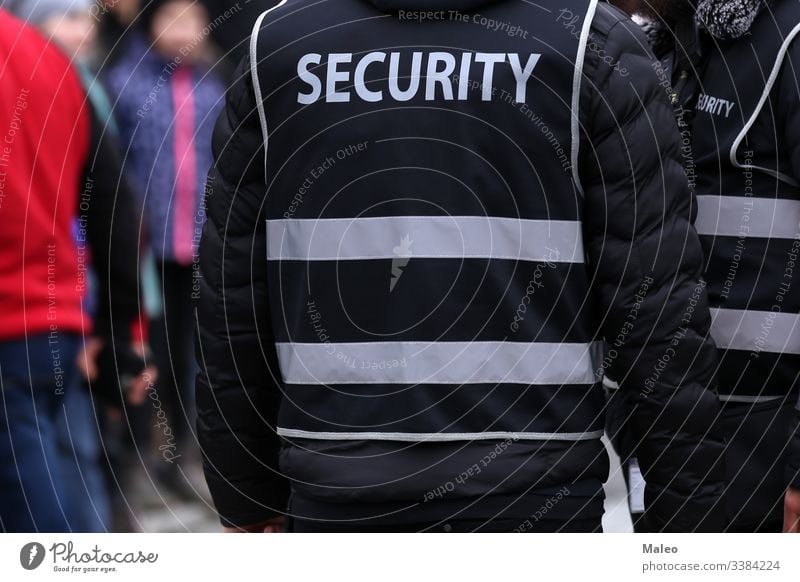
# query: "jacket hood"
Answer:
x=430 y=5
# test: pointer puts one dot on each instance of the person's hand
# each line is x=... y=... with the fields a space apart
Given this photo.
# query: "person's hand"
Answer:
x=138 y=386
x=274 y=525
x=137 y=389
x=87 y=359
x=791 y=511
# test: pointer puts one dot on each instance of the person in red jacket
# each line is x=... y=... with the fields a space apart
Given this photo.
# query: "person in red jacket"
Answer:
x=56 y=217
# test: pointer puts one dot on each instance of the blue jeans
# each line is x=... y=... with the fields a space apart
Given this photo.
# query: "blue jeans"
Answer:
x=48 y=476
x=88 y=506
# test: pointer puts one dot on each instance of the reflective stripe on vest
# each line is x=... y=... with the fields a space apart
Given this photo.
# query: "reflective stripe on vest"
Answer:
x=747 y=216
x=392 y=237
x=440 y=436
x=439 y=363
x=736 y=399
x=756 y=331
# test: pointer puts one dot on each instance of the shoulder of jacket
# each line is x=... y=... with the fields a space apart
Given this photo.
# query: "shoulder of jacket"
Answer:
x=617 y=34
x=783 y=8
x=276 y=10
x=618 y=31
x=607 y=17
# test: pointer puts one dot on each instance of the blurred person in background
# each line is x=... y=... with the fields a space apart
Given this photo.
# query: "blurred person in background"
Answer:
x=232 y=23
x=165 y=102
x=117 y=26
x=72 y=26
x=731 y=69
x=57 y=195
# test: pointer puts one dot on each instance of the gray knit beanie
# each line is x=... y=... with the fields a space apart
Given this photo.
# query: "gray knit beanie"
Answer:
x=725 y=19
x=37 y=11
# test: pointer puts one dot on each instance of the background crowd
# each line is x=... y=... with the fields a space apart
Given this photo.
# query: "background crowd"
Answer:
x=150 y=79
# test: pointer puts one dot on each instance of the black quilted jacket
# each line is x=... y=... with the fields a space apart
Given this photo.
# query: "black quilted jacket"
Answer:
x=637 y=225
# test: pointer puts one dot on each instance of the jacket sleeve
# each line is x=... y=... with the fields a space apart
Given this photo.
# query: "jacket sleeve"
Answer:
x=646 y=264
x=238 y=391
x=107 y=208
x=793 y=454
x=789 y=121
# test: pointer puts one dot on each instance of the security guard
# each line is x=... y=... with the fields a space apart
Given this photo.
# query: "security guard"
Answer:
x=743 y=159
x=424 y=219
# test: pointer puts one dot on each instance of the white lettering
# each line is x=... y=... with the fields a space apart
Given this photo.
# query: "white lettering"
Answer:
x=394 y=75
x=729 y=105
x=310 y=78
x=446 y=75
x=335 y=76
x=463 y=77
x=522 y=75
x=489 y=60
x=360 y=83
x=442 y=77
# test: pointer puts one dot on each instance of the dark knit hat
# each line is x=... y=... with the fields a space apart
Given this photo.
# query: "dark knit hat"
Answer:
x=149 y=9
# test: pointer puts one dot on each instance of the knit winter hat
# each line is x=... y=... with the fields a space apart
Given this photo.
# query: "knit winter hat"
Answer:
x=37 y=11
x=725 y=19
x=149 y=9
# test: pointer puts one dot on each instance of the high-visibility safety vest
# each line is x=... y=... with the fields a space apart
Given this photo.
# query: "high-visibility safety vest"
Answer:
x=426 y=265
x=748 y=203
